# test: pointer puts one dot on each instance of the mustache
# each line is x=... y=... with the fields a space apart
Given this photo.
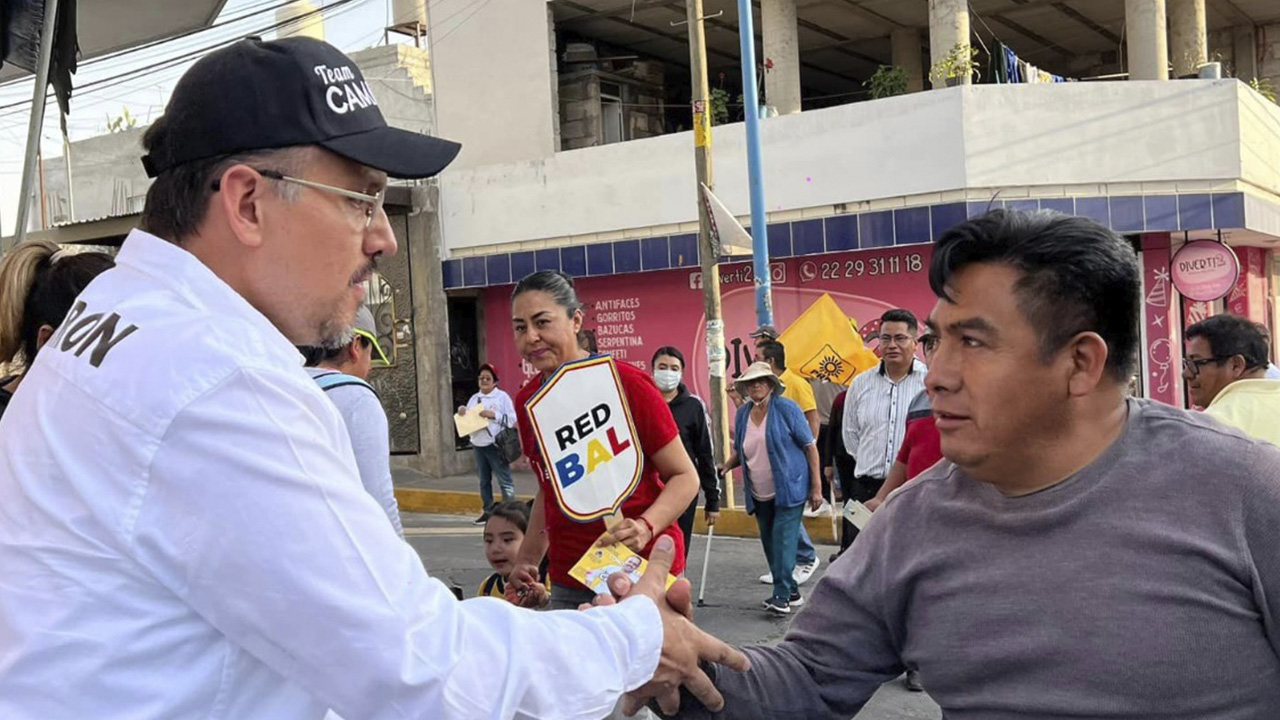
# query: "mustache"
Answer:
x=365 y=272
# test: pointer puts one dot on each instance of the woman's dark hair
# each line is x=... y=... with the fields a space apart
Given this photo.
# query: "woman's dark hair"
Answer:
x=1231 y=335
x=669 y=351
x=487 y=368
x=515 y=512
x=38 y=284
x=554 y=283
x=1076 y=276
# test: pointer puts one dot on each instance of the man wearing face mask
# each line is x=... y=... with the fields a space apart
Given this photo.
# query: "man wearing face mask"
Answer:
x=690 y=414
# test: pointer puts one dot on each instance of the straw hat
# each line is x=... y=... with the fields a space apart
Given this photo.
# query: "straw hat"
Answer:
x=758 y=371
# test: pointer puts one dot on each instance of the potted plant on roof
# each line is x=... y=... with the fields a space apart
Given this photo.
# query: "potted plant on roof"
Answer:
x=959 y=63
x=888 y=80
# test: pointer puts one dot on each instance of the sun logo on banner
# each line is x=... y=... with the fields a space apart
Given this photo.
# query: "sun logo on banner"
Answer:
x=826 y=364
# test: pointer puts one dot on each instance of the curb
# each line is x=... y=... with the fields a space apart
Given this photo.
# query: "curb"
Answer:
x=733 y=522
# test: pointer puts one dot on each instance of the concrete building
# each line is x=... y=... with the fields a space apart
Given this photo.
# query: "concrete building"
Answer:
x=855 y=190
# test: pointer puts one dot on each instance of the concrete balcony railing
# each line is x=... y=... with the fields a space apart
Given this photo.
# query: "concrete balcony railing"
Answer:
x=1020 y=140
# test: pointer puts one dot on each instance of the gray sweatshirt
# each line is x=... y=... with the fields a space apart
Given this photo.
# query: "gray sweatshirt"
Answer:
x=1145 y=586
x=366 y=422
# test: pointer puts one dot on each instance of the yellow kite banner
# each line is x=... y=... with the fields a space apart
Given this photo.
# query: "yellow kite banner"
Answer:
x=823 y=345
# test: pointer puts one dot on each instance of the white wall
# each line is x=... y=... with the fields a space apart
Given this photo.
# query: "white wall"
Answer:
x=493 y=81
x=1259 y=139
x=919 y=144
x=107 y=175
x=1119 y=132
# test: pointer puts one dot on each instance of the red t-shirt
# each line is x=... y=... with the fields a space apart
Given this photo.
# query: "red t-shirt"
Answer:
x=921 y=446
x=655 y=427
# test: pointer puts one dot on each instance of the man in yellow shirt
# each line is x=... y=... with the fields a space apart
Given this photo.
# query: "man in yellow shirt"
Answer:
x=1225 y=367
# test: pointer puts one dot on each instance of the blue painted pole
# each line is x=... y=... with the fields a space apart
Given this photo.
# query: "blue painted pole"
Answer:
x=755 y=163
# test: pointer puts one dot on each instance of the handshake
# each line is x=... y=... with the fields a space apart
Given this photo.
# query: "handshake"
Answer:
x=684 y=646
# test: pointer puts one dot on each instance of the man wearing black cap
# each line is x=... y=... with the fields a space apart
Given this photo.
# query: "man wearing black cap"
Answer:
x=183 y=531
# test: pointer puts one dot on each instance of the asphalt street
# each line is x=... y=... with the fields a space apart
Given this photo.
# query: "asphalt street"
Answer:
x=452 y=550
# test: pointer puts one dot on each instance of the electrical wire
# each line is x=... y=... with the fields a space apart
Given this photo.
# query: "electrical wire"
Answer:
x=339 y=7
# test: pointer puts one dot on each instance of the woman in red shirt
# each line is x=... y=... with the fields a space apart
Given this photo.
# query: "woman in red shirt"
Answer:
x=547 y=318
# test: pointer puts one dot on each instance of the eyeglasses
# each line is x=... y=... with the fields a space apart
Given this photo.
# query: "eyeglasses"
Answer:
x=898 y=340
x=368 y=204
x=929 y=342
x=1192 y=366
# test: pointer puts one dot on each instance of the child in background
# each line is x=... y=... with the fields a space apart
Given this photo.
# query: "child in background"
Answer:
x=503 y=533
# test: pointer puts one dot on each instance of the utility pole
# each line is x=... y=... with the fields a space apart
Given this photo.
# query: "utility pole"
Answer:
x=707 y=250
x=755 y=164
x=36 y=123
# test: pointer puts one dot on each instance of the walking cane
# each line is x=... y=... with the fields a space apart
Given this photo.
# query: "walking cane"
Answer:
x=706 y=559
x=831 y=498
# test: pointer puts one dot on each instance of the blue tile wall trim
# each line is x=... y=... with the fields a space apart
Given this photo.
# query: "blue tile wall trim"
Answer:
x=499 y=267
x=1195 y=212
x=600 y=259
x=655 y=254
x=573 y=260
x=944 y=217
x=780 y=240
x=452 y=271
x=1066 y=206
x=875 y=229
x=548 y=259
x=1228 y=210
x=911 y=226
x=1097 y=208
x=982 y=207
x=1126 y=213
x=684 y=251
x=806 y=237
x=841 y=233
x=1161 y=212
x=522 y=264
x=626 y=256
x=473 y=273
x=1028 y=205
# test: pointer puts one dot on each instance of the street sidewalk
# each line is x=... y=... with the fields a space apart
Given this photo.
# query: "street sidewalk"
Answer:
x=460 y=495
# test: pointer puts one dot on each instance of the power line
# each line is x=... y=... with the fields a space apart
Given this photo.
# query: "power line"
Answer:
x=263 y=6
x=338 y=8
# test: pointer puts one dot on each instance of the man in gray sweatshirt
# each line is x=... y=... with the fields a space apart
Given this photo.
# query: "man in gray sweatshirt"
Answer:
x=1078 y=555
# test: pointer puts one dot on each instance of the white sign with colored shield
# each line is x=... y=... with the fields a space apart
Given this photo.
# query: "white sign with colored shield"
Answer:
x=587 y=437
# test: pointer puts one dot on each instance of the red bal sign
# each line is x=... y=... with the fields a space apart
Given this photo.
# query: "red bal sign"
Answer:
x=1205 y=270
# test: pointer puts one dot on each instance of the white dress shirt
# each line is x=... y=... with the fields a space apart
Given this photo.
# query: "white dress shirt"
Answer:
x=875 y=417
x=183 y=534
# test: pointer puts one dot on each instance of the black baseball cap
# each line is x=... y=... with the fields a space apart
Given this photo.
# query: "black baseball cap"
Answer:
x=260 y=95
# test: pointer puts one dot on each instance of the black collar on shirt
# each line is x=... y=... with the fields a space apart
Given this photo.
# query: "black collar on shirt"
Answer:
x=884 y=373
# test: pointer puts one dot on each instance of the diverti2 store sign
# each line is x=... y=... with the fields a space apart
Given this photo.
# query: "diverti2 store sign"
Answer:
x=633 y=315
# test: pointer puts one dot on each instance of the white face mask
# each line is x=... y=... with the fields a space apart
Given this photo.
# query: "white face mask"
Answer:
x=667 y=380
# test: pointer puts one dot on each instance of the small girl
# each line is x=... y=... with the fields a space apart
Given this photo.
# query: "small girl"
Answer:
x=503 y=533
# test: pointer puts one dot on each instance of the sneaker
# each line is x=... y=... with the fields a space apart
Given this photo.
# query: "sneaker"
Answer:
x=777 y=607
x=796 y=599
x=767 y=578
x=912 y=681
x=802 y=573
x=824 y=510
x=484 y=518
